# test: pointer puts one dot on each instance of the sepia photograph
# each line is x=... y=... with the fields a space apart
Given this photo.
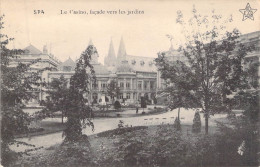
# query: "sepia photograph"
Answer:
x=159 y=83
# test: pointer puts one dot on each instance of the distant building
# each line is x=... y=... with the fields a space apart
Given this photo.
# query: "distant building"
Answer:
x=253 y=58
x=44 y=59
x=136 y=76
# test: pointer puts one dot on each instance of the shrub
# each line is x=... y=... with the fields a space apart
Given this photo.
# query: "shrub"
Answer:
x=8 y=156
x=143 y=102
x=120 y=124
x=166 y=147
x=196 y=126
x=155 y=101
x=120 y=131
x=177 y=124
x=131 y=152
x=117 y=105
x=72 y=154
x=237 y=143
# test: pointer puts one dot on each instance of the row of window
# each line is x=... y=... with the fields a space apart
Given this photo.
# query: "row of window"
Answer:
x=142 y=63
x=127 y=96
x=122 y=85
x=121 y=96
x=127 y=85
x=146 y=85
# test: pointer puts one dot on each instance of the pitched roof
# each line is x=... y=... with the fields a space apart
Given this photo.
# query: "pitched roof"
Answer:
x=121 y=50
x=111 y=69
x=111 y=51
x=32 y=50
x=110 y=59
x=100 y=69
x=141 y=64
x=68 y=62
x=124 y=67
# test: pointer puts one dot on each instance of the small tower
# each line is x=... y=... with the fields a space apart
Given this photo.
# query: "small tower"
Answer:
x=110 y=59
x=121 y=55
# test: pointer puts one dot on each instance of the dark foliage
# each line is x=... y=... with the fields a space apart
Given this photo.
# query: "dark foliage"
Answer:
x=69 y=154
x=165 y=148
x=57 y=99
x=120 y=124
x=113 y=89
x=213 y=66
x=18 y=84
x=120 y=131
x=177 y=124
x=241 y=134
x=196 y=126
x=78 y=113
x=249 y=102
x=117 y=105
x=143 y=102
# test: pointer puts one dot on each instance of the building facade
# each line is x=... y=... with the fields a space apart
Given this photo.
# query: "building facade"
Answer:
x=43 y=60
x=136 y=76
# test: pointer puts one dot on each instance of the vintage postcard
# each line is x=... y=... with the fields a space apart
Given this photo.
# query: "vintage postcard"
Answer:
x=130 y=83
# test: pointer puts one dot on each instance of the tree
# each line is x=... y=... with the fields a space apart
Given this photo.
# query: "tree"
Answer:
x=18 y=84
x=178 y=97
x=117 y=105
x=143 y=103
x=196 y=126
x=252 y=71
x=113 y=90
x=213 y=67
x=249 y=103
x=177 y=124
x=146 y=97
x=153 y=97
x=58 y=94
x=80 y=115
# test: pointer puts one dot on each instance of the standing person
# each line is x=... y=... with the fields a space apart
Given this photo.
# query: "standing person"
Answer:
x=137 y=110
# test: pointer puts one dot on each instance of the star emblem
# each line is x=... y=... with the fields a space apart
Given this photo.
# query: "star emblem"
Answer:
x=248 y=12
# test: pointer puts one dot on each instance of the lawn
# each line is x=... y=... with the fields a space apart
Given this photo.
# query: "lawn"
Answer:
x=44 y=127
x=158 y=145
x=52 y=125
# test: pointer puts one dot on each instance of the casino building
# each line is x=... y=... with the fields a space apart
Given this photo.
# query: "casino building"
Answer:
x=136 y=76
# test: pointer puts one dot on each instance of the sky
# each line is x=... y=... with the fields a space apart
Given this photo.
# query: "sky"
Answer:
x=144 y=34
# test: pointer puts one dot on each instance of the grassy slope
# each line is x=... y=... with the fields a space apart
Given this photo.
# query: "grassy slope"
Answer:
x=103 y=146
